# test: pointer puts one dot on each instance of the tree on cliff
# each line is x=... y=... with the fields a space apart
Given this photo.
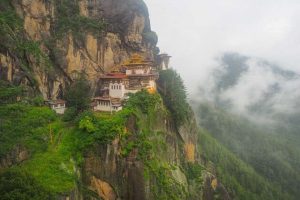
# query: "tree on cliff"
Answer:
x=171 y=86
x=78 y=94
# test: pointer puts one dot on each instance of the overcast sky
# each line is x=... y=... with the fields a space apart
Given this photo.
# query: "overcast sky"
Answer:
x=195 y=32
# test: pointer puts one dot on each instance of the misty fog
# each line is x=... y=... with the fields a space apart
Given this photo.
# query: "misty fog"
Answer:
x=253 y=87
x=196 y=32
x=264 y=33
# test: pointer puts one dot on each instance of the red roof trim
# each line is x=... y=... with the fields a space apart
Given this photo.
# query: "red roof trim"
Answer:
x=114 y=75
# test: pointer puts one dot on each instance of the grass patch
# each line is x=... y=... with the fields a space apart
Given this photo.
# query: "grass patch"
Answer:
x=24 y=124
x=53 y=170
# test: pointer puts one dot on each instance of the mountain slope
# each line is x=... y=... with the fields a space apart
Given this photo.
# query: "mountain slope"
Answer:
x=252 y=108
x=271 y=154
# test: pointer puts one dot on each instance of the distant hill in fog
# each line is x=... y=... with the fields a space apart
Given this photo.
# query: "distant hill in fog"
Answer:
x=255 y=88
x=252 y=107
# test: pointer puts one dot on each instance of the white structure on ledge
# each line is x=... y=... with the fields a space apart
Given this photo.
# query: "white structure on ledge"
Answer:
x=107 y=104
x=59 y=106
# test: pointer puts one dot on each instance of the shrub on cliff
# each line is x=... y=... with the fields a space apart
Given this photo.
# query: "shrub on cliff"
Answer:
x=143 y=100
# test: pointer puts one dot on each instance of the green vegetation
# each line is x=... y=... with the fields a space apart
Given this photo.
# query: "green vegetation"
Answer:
x=56 y=148
x=143 y=101
x=166 y=186
x=9 y=93
x=78 y=95
x=17 y=185
x=37 y=129
x=102 y=128
x=24 y=124
x=269 y=153
x=151 y=146
x=240 y=179
x=194 y=172
x=174 y=95
x=53 y=169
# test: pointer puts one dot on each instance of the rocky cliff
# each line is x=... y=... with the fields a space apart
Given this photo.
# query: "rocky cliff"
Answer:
x=137 y=153
x=154 y=161
x=44 y=43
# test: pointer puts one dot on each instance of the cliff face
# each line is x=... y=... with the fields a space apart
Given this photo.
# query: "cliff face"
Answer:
x=171 y=169
x=71 y=37
x=44 y=44
x=138 y=153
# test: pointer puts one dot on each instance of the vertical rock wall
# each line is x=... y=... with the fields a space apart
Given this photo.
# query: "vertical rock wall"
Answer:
x=95 y=52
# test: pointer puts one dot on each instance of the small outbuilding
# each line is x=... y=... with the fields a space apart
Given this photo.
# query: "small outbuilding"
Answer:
x=59 y=106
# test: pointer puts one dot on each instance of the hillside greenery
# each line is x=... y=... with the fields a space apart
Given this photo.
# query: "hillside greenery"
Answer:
x=27 y=187
x=240 y=179
x=56 y=151
x=269 y=153
x=56 y=148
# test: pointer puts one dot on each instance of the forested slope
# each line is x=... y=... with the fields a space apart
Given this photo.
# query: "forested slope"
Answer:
x=274 y=155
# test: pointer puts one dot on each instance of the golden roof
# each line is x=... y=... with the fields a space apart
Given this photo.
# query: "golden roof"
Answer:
x=151 y=90
x=136 y=59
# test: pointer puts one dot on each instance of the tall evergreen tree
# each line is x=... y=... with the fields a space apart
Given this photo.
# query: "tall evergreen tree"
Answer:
x=171 y=86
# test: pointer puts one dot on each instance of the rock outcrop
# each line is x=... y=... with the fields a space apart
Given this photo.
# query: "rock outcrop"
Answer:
x=15 y=156
x=66 y=48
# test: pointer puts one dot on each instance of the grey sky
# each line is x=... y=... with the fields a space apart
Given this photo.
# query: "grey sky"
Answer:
x=195 y=32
